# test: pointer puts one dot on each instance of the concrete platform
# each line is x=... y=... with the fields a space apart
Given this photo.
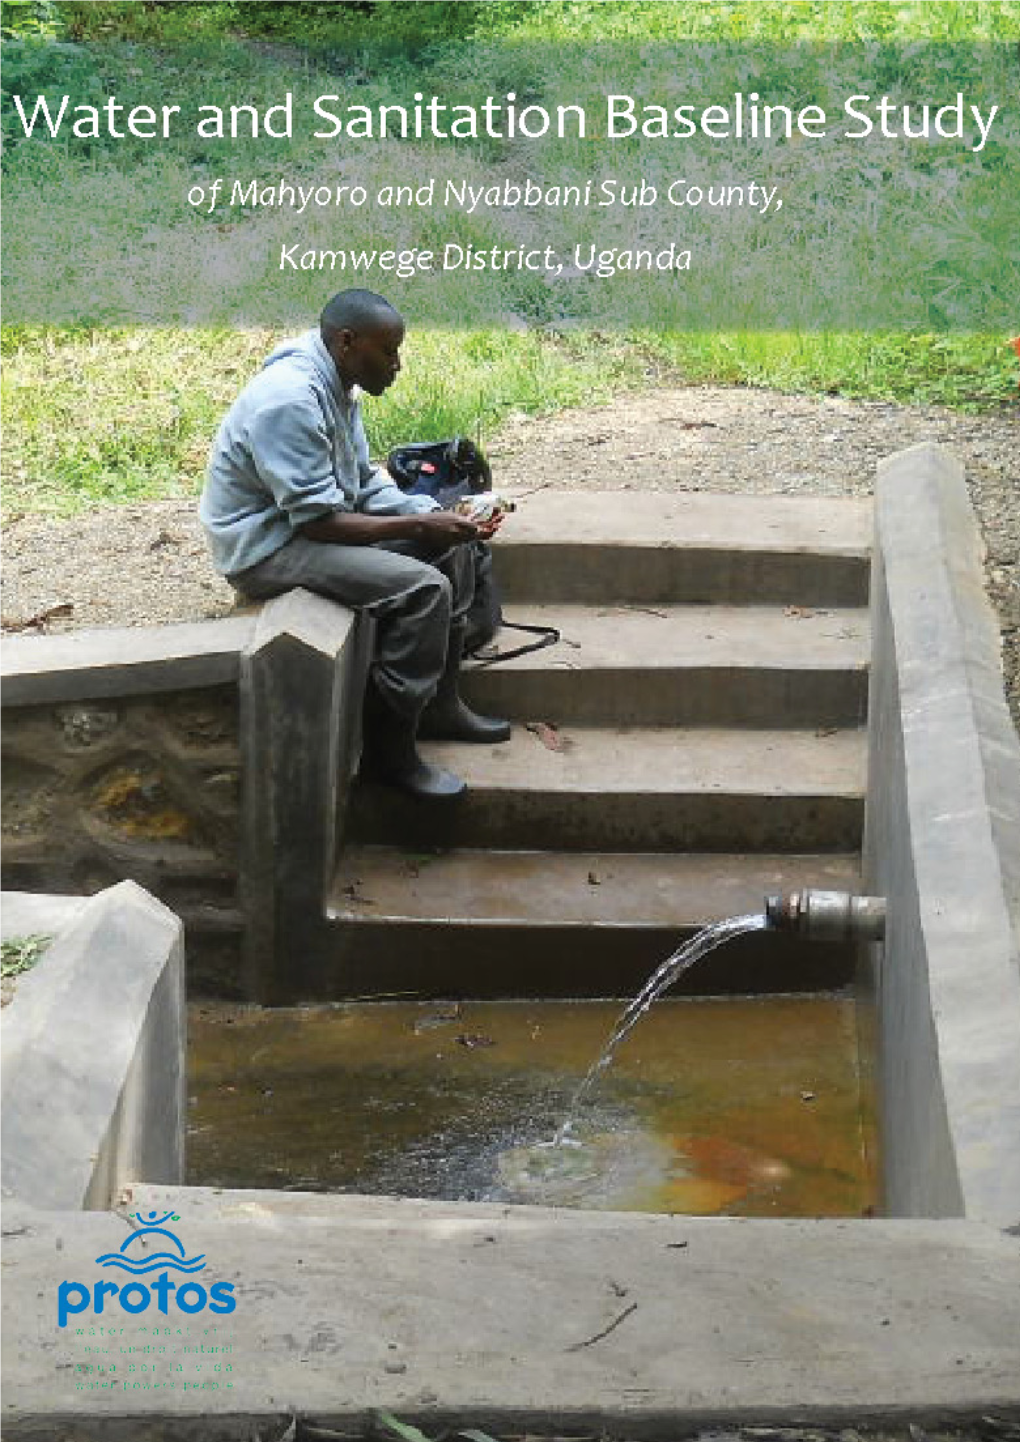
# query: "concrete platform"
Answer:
x=651 y=789
x=659 y=723
x=690 y=665
x=598 y=546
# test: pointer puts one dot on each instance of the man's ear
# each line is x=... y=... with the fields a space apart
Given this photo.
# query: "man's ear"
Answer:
x=339 y=342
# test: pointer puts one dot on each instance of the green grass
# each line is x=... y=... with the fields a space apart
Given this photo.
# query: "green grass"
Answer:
x=965 y=371
x=106 y=417
x=103 y=417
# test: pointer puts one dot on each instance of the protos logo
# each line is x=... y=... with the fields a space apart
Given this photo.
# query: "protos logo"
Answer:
x=134 y=1257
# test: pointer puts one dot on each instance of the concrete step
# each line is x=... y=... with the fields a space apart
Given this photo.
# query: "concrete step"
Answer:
x=686 y=665
x=537 y=923
x=647 y=789
x=667 y=546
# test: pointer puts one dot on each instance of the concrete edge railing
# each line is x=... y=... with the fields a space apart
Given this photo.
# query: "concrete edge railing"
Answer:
x=942 y=842
x=93 y=1069
x=122 y=660
x=517 y=1319
x=298 y=763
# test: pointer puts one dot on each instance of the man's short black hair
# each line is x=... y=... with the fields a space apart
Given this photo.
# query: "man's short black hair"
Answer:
x=356 y=310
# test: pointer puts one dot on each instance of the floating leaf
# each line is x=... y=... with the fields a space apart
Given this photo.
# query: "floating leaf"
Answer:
x=433 y=1019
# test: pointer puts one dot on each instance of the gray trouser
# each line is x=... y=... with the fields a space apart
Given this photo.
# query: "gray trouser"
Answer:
x=418 y=605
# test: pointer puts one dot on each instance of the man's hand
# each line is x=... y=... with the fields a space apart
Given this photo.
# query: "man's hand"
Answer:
x=487 y=529
x=438 y=530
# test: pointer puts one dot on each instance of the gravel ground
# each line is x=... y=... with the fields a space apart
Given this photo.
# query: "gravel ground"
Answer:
x=137 y=565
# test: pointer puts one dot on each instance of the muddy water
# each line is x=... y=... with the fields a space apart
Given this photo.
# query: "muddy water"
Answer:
x=738 y=1107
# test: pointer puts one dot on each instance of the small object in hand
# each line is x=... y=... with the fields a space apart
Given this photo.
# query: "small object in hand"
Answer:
x=483 y=507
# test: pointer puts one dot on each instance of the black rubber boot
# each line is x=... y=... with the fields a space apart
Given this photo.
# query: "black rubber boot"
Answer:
x=390 y=755
x=449 y=718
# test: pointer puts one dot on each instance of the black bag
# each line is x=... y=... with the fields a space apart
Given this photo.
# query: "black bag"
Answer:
x=445 y=470
x=448 y=471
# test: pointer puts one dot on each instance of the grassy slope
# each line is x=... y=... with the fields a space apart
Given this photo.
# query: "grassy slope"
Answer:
x=100 y=416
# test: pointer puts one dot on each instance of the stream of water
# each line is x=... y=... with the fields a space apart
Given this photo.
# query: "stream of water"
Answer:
x=547 y=1167
x=660 y=980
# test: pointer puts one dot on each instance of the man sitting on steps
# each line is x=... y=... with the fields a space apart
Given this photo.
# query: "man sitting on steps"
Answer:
x=291 y=499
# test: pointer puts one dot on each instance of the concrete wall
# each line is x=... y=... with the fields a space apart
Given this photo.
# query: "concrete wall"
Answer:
x=121 y=758
x=942 y=842
x=93 y=1069
x=207 y=762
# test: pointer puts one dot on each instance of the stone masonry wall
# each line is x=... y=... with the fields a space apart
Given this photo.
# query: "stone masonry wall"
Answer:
x=144 y=787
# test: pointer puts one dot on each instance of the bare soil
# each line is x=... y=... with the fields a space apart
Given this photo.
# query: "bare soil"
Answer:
x=143 y=564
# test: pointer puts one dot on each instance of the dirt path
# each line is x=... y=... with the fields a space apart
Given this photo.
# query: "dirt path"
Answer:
x=143 y=564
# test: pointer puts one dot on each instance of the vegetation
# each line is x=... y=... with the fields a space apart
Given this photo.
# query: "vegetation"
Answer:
x=326 y=22
x=106 y=416
x=385 y=1425
x=99 y=412
x=20 y=953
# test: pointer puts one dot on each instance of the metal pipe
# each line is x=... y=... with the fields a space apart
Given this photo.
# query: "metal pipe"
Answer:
x=827 y=915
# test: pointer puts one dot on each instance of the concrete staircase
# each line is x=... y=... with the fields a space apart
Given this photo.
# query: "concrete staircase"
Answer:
x=694 y=742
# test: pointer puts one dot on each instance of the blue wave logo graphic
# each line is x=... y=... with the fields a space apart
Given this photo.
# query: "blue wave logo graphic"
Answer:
x=152 y=1226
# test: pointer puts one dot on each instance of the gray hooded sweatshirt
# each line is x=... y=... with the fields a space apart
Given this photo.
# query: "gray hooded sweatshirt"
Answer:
x=291 y=449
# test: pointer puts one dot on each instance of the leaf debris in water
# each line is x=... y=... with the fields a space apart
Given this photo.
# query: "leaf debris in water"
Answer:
x=433 y=1019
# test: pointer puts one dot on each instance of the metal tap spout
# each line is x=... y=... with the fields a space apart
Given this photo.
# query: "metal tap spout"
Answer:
x=827 y=915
